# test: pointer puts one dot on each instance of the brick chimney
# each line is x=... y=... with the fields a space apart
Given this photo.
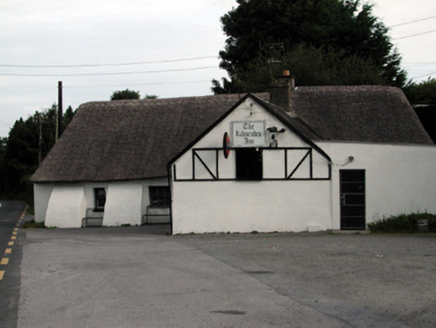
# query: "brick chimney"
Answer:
x=280 y=91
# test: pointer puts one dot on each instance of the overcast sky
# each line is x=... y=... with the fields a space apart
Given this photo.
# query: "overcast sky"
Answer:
x=169 y=48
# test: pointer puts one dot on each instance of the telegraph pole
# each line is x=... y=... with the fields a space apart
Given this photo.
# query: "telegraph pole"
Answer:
x=59 y=118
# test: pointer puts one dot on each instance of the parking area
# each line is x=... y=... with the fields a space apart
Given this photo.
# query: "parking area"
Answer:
x=129 y=277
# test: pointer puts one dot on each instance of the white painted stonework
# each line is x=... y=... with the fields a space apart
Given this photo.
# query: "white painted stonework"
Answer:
x=300 y=189
x=65 y=205
x=246 y=206
x=123 y=204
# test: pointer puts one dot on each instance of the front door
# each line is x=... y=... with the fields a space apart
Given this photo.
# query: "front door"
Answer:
x=352 y=198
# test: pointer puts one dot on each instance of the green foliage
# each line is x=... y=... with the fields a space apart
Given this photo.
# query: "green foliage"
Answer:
x=125 y=94
x=344 y=29
x=309 y=65
x=404 y=223
x=421 y=93
x=151 y=97
x=33 y=225
x=29 y=141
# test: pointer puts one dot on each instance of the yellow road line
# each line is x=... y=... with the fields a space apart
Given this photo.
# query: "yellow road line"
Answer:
x=14 y=233
x=13 y=237
x=15 y=229
x=4 y=261
x=2 y=273
x=11 y=243
x=8 y=251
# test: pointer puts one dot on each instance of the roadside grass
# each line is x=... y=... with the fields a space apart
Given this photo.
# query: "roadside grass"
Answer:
x=35 y=225
x=405 y=223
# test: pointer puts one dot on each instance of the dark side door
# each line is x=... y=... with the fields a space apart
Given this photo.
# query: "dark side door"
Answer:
x=352 y=199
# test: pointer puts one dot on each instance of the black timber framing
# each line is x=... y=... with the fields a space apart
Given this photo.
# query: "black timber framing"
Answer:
x=288 y=176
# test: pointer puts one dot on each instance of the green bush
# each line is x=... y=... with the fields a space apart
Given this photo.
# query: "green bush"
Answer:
x=404 y=223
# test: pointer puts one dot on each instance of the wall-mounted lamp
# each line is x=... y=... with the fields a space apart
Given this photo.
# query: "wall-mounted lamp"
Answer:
x=273 y=133
x=349 y=160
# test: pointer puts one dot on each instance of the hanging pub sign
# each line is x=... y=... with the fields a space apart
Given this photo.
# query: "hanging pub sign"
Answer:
x=248 y=134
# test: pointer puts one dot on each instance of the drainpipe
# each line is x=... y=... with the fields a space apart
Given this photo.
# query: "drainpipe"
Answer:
x=171 y=198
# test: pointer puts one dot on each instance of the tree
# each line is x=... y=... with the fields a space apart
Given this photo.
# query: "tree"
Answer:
x=151 y=97
x=421 y=93
x=29 y=141
x=125 y=94
x=310 y=66
x=262 y=30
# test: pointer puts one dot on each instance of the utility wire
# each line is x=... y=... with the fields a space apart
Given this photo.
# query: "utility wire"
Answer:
x=414 y=21
x=413 y=35
x=132 y=85
x=110 y=74
x=107 y=64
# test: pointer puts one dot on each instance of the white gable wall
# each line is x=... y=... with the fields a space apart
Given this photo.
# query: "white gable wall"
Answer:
x=273 y=159
x=246 y=206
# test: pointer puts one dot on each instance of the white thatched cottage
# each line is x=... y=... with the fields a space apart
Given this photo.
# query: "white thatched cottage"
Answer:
x=293 y=159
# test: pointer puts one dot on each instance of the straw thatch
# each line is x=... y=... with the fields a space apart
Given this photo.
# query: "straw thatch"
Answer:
x=359 y=113
x=135 y=139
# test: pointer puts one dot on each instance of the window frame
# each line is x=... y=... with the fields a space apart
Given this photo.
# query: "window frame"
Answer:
x=97 y=198
x=159 y=196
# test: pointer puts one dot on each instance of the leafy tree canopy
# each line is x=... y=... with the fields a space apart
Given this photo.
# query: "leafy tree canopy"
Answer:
x=125 y=94
x=421 y=93
x=29 y=141
x=266 y=30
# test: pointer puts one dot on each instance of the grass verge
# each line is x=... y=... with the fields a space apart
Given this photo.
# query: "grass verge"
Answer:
x=405 y=223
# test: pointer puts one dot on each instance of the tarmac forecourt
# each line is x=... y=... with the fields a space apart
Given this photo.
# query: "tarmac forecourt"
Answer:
x=8 y=251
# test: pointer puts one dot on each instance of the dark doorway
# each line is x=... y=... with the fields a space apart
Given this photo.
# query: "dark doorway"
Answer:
x=249 y=164
x=352 y=198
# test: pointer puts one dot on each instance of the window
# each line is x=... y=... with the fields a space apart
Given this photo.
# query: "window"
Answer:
x=249 y=164
x=159 y=196
x=100 y=199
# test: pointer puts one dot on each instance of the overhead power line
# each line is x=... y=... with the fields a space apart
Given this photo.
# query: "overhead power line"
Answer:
x=132 y=84
x=106 y=64
x=109 y=74
x=414 y=21
x=413 y=35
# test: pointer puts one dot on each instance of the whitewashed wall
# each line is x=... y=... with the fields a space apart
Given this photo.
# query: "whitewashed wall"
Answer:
x=273 y=160
x=64 y=205
x=399 y=178
x=42 y=193
x=246 y=206
x=236 y=206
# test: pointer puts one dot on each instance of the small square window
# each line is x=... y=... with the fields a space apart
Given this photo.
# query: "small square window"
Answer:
x=100 y=198
x=159 y=196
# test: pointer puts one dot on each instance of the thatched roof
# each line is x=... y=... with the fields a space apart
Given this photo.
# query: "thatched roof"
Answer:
x=135 y=139
x=359 y=113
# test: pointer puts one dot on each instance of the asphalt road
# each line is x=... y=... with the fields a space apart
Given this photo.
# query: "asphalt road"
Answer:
x=11 y=241
x=128 y=277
